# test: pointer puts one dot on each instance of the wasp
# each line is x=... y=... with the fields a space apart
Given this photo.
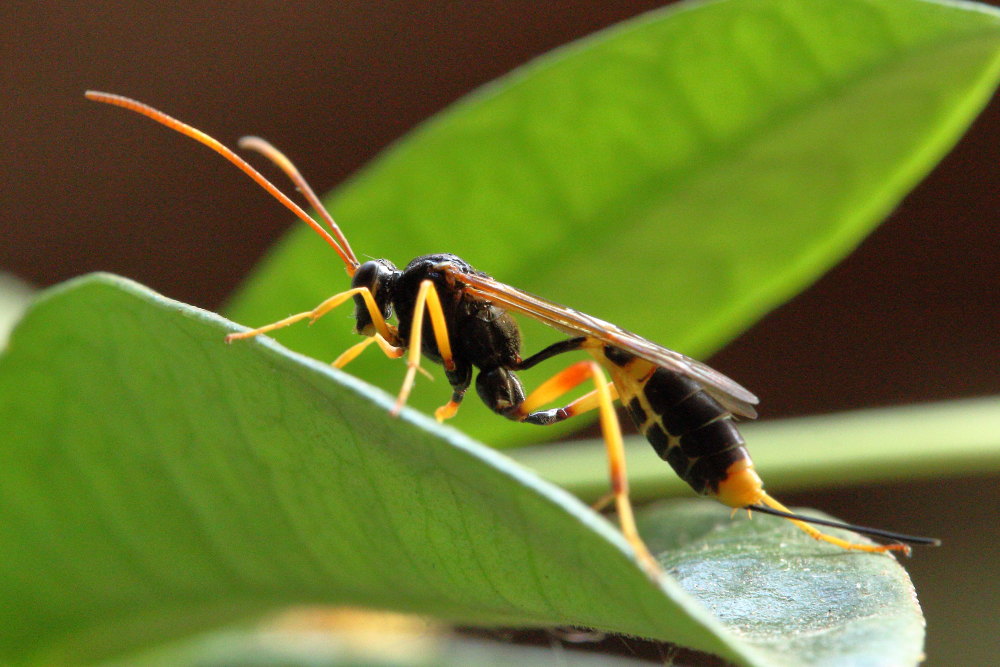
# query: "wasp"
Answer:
x=683 y=407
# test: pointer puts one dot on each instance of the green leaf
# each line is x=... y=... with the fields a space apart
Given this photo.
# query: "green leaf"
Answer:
x=679 y=175
x=777 y=593
x=155 y=482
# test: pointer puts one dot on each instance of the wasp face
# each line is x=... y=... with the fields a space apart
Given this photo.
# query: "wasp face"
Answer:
x=379 y=276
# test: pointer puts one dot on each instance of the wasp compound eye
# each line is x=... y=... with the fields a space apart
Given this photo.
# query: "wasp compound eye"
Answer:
x=378 y=276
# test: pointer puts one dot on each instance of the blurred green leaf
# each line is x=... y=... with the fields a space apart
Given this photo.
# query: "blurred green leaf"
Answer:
x=155 y=482
x=680 y=174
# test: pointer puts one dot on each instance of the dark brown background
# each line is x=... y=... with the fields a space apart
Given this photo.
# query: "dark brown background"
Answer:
x=911 y=316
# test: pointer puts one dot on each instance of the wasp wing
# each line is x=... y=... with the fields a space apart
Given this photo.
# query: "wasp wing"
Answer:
x=729 y=393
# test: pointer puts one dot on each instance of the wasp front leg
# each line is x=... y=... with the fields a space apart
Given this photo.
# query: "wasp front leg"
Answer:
x=387 y=332
x=428 y=299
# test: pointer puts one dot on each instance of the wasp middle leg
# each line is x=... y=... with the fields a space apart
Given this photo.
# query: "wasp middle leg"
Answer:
x=502 y=391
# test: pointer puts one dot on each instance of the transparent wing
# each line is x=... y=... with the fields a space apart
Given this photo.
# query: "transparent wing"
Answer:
x=730 y=394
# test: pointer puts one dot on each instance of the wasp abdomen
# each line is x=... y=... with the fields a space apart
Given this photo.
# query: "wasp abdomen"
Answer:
x=686 y=426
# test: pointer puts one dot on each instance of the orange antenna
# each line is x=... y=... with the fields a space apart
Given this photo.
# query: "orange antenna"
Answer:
x=265 y=148
x=350 y=261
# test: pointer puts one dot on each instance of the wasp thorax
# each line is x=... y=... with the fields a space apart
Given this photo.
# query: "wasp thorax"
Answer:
x=379 y=276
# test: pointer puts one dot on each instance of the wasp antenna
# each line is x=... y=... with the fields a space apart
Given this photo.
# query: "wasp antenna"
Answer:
x=215 y=145
x=860 y=530
x=281 y=161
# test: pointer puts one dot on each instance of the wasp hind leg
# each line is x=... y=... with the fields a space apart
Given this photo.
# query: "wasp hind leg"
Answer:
x=508 y=399
x=558 y=385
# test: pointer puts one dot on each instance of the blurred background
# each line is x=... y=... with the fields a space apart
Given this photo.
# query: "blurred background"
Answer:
x=911 y=316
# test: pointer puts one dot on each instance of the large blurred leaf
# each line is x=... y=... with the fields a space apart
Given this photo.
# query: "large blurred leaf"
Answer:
x=155 y=482
x=679 y=174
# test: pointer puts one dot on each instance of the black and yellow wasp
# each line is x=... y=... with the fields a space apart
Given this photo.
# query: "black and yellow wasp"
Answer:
x=684 y=408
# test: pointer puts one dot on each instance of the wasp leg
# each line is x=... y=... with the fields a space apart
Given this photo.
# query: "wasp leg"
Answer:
x=817 y=534
x=449 y=409
x=321 y=310
x=558 y=385
x=506 y=389
x=390 y=350
x=352 y=353
x=555 y=387
x=601 y=503
x=562 y=346
x=427 y=297
x=459 y=379
x=612 y=431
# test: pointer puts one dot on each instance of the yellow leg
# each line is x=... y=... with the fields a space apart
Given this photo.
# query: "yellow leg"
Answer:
x=447 y=411
x=352 y=353
x=561 y=383
x=321 y=310
x=602 y=398
x=427 y=298
x=815 y=533
x=391 y=351
x=619 y=479
x=590 y=401
x=602 y=503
